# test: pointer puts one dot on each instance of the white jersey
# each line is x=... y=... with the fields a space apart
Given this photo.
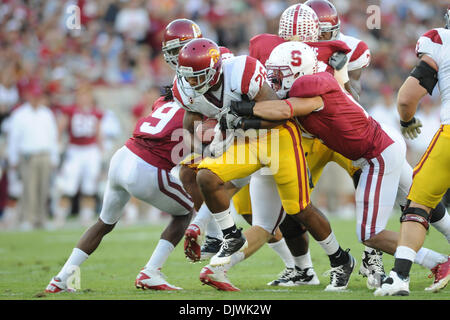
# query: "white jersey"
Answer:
x=436 y=44
x=242 y=75
x=359 y=57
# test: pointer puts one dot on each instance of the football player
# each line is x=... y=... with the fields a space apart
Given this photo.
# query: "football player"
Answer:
x=141 y=168
x=327 y=111
x=176 y=35
x=82 y=161
x=427 y=187
x=358 y=57
x=300 y=23
x=205 y=87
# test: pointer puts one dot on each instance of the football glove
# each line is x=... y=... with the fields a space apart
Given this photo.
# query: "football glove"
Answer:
x=411 y=129
x=242 y=108
x=338 y=60
x=230 y=121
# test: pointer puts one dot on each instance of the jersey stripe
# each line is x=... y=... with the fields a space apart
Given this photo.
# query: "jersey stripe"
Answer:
x=249 y=70
x=376 y=201
x=366 y=200
x=359 y=50
x=434 y=36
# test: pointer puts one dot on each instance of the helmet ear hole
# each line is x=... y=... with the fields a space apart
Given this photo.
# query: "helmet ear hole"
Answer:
x=296 y=75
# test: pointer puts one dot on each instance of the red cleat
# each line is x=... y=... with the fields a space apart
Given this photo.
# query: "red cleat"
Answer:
x=441 y=275
x=193 y=239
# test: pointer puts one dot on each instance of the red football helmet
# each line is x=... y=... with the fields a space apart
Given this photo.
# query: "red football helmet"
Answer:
x=177 y=34
x=200 y=59
x=328 y=16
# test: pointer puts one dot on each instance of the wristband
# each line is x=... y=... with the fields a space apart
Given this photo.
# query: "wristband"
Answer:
x=407 y=123
x=291 y=108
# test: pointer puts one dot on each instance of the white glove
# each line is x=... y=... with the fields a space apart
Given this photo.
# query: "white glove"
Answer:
x=411 y=129
x=219 y=145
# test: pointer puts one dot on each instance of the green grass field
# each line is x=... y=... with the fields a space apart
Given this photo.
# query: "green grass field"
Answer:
x=30 y=259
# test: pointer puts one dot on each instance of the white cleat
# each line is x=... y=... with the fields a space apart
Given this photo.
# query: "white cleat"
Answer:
x=57 y=286
x=153 y=280
x=393 y=286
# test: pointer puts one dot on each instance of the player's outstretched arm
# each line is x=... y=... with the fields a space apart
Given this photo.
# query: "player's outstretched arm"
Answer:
x=286 y=109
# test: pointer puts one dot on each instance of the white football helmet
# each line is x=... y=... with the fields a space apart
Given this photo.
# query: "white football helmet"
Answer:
x=287 y=62
x=300 y=23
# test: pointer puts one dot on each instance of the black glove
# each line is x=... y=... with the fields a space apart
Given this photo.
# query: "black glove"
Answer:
x=242 y=108
x=338 y=60
x=230 y=121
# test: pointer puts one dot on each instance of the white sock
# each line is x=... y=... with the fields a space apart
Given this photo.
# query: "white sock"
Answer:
x=304 y=261
x=330 y=244
x=159 y=256
x=203 y=217
x=281 y=248
x=213 y=229
x=224 y=219
x=406 y=253
x=443 y=226
x=76 y=258
x=428 y=258
x=235 y=259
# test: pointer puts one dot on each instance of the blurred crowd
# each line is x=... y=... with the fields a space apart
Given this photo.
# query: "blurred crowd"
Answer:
x=111 y=52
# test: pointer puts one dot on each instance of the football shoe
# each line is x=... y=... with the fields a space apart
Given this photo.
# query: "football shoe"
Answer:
x=193 y=238
x=340 y=275
x=305 y=276
x=285 y=278
x=154 y=280
x=393 y=286
x=56 y=286
x=210 y=247
x=216 y=277
x=372 y=268
x=441 y=275
x=229 y=246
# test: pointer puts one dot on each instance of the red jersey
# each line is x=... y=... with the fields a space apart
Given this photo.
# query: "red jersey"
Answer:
x=262 y=45
x=152 y=136
x=83 y=124
x=342 y=124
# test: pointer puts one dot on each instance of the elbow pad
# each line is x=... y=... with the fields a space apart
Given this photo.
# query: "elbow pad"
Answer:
x=426 y=75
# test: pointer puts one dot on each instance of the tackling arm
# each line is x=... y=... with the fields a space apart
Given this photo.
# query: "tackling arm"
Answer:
x=286 y=109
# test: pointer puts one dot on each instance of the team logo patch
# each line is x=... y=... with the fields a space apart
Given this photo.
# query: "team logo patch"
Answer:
x=214 y=54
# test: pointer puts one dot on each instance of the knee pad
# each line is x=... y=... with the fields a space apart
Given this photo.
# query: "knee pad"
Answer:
x=416 y=215
x=291 y=228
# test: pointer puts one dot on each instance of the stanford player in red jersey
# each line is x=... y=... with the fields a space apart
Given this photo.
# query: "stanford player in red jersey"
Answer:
x=141 y=169
x=299 y=23
x=81 y=167
x=325 y=110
